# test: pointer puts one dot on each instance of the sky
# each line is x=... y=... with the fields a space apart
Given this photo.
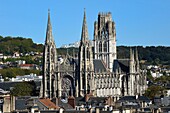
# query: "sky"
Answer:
x=138 y=22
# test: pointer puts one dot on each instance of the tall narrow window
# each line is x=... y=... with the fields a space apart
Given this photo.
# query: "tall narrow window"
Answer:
x=100 y=47
x=105 y=46
x=88 y=53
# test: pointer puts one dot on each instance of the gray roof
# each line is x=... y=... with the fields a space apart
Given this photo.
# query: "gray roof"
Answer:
x=143 y=98
x=7 y=85
x=25 y=111
x=49 y=111
x=122 y=64
x=133 y=99
x=105 y=111
x=97 y=99
x=75 y=111
x=99 y=66
x=79 y=100
x=20 y=103
x=64 y=105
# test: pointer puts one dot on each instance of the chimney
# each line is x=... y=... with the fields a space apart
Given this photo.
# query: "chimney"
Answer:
x=71 y=101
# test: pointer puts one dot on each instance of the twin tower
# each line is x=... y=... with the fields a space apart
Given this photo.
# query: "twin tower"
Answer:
x=92 y=72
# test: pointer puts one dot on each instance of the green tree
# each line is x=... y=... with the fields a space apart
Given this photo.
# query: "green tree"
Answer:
x=149 y=76
x=13 y=72
x=22 y=89
x=153 y=91
x=1 y=37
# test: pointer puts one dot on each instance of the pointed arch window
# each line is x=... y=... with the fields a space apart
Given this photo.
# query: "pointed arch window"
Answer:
x=100 y=47
x=88 y=53
x=105 y=46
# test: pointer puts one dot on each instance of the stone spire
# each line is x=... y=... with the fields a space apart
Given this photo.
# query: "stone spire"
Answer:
x=84 y=34
x=131 y=54
x=49 y=85
x=49 y=37
x=131 y=60
x=137 y=61
x=86 y=67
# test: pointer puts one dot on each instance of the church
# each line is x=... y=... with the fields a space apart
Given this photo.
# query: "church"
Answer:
x=95 y=71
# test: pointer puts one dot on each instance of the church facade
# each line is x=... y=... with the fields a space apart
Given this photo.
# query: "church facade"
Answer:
x=96 y=71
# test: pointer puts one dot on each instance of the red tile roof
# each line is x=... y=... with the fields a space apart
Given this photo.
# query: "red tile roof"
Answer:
x=26 y=65
x=47 y=102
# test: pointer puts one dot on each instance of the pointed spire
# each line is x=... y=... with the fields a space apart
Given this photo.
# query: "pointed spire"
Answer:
x=136 y=55
x=84 y=34
x=131 y=54
x=49 y=37
x=132 y=60
x=137 y=61
x=73 y=53
x=67 y=52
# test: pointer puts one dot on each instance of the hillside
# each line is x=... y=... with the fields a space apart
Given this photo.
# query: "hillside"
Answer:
x=151 y=54
x=9 y=45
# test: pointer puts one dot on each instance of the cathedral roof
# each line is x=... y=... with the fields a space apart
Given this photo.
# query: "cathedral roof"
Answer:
x=99 y=66
x=121 y=65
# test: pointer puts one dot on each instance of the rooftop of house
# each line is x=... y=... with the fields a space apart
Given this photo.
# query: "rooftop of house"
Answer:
x=47 y=102
x=134 y=99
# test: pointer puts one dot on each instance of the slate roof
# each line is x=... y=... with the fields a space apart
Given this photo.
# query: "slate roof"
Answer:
x=133 y=99
x=92 y=100
x=127 y=98
x=97 y=99
x=64 y=105
x=7 y=85
x=122 y=64
x=75 y=111
x=105 y=111
x=99 y=66
x=20 y=103
x=165 y=109
x=79 y=100
x=49 y=111
x=144 y=98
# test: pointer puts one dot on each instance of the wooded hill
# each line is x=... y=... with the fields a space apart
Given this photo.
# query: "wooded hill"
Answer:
x=151 y=54
x=9 y=45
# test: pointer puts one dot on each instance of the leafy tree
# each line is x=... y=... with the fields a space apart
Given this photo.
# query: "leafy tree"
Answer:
x=9 y=45
x=1 y=37
x=152 y=54
x=22 y=89
x=13 y=72
x=153 y=91
x=28 y=59
x=163 y=79
x=149 y=76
